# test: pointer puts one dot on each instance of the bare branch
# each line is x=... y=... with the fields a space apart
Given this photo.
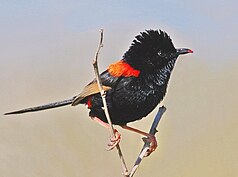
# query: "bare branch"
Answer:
x=103 y=95
x=146 y=146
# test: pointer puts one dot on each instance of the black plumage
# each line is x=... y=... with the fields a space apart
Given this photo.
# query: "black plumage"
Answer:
x=132 y=98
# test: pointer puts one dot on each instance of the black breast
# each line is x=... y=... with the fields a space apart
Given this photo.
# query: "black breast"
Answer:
x=135 y=99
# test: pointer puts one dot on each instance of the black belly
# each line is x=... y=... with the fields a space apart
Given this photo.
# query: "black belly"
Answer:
x=127 y=105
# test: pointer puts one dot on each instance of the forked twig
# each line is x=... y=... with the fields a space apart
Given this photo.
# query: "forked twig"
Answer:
x=103 y=95
x=146 y=146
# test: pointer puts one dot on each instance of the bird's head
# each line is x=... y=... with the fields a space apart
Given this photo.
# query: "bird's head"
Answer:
x=152 y=49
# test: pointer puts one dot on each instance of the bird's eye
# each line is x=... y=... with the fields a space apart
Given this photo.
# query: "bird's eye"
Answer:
x=161 y=54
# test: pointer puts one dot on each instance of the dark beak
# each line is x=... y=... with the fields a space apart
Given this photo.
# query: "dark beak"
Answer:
x=182 y=51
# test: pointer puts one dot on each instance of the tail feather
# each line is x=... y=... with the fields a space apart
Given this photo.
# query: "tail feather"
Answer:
x=43 y=107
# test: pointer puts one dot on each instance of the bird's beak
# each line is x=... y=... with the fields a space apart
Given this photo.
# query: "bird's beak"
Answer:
x=182 y=51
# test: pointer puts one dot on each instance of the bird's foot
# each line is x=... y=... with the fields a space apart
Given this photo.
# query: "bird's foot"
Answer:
x=153 y=144
x=114 y=140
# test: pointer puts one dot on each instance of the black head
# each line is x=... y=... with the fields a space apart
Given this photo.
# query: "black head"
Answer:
x=151 y=48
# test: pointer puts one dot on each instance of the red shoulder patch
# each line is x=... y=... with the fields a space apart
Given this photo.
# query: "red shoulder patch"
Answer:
x=121 y=68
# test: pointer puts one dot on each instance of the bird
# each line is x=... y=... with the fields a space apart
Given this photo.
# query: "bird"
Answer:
x=134 y=85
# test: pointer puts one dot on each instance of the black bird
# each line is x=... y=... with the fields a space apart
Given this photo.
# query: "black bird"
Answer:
x=134 y=86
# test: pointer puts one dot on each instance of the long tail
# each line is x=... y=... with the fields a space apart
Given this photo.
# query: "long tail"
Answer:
x=43 y=107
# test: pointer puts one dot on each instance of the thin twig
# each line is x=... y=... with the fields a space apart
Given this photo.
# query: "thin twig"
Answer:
x=103 y=95
x=146 y=146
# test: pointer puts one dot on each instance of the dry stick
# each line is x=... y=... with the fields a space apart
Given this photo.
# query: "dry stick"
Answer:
x=146 y=146
x=103 y=95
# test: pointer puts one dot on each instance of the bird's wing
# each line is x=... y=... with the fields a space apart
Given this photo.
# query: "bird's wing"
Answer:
x=110 y=79
x=108 y=83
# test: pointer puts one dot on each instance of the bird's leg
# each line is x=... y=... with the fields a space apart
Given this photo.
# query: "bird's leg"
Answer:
x=114 y=140
x=151 y=138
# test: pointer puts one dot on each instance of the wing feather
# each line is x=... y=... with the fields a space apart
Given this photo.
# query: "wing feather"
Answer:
x=90 y=89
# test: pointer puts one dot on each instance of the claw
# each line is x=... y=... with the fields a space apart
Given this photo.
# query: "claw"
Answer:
x=153 y=144
x=114 y=140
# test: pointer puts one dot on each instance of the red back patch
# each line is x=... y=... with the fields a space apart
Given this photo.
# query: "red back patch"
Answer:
x=121 y=68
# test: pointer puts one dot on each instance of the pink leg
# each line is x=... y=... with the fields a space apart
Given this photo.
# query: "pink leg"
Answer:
x=113 y=140
x=151 y=138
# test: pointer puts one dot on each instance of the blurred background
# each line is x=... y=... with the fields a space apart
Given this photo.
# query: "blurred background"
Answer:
x=46 y=55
